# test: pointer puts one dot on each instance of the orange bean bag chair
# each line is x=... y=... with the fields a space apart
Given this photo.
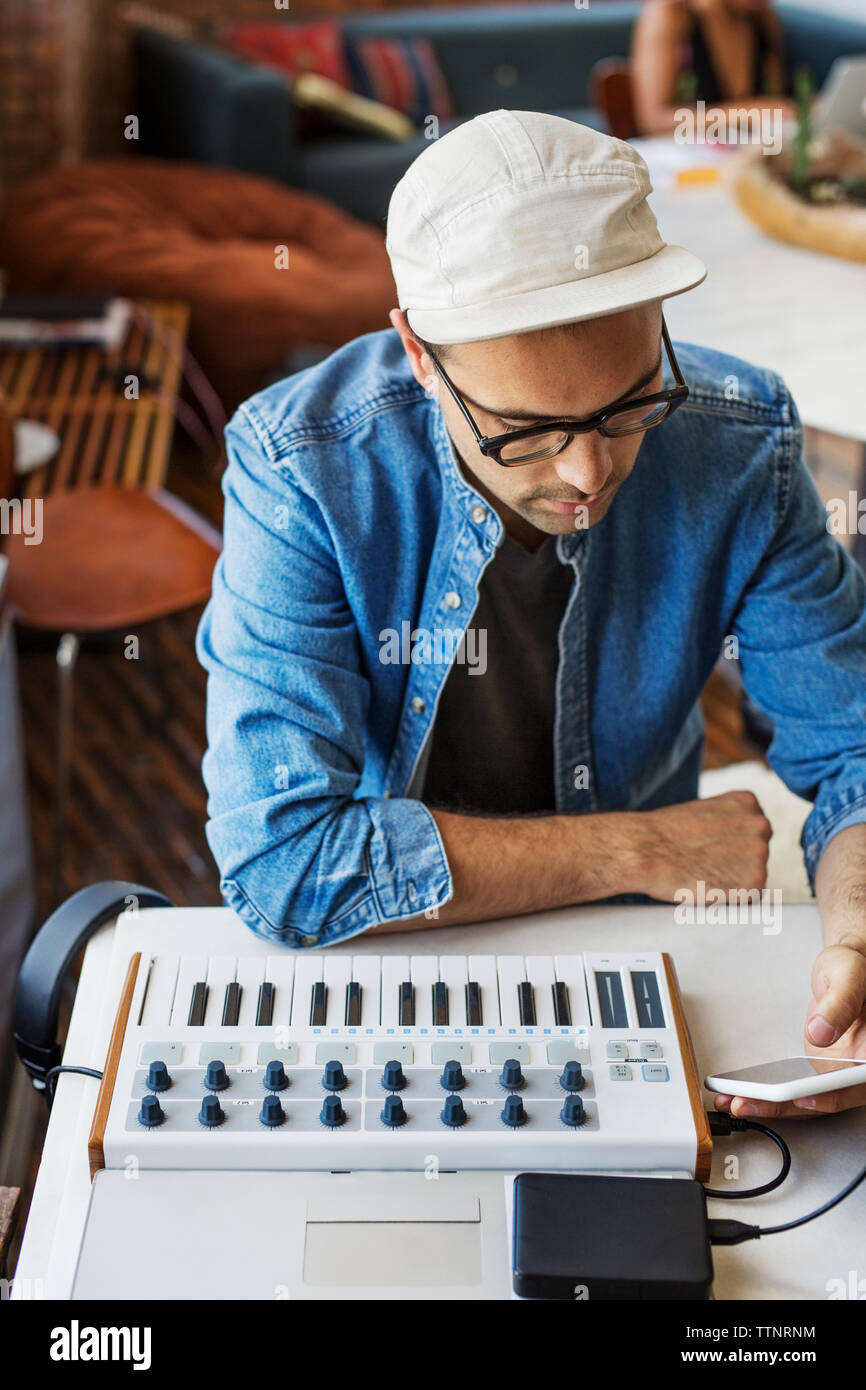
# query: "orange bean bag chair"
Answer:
x=147 y=228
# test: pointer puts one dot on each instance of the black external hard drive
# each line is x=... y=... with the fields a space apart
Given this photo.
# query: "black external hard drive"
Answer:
x=583 y=1236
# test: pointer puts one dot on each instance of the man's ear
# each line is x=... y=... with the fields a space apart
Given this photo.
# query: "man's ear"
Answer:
x=422 y=367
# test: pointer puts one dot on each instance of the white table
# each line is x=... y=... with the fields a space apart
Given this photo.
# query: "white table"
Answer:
x=745 y=996
x=799 y=312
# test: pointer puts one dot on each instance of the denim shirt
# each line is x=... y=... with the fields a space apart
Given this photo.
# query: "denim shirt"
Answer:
x=347 y=515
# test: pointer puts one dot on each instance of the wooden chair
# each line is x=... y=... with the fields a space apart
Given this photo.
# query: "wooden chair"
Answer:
x=10 y=1198
x=111 y=554
x=610 y=89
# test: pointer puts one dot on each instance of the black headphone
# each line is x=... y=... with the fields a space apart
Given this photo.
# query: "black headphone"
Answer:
x=47 y=962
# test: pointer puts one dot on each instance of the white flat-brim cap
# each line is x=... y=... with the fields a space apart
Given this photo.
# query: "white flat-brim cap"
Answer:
x=517 y=220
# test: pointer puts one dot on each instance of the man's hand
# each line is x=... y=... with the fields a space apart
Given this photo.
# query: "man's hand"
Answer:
x=835 y=1027
x=722 y=840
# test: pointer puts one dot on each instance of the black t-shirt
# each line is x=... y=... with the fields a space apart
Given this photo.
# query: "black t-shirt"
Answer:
x=492 y=741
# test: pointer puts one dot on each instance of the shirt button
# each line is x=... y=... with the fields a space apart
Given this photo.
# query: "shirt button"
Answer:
x=309 y=941
x=478 y=514
x=452 y=600
x=418 y=705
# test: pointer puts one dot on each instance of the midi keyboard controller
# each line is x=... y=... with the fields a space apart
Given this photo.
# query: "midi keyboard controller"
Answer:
x=229 y=1054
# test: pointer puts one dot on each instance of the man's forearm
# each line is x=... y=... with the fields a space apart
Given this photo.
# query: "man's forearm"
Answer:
x=840 y=888
x=504 y=866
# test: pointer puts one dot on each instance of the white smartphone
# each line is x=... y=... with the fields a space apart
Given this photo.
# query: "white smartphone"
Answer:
x=790 y=1079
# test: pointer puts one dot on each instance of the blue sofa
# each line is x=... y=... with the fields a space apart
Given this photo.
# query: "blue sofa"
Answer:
x=200 y=104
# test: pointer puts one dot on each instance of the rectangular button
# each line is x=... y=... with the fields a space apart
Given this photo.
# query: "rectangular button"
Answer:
x=225 y=1052
x=395 y=1050
x=647 y=999
x=448 y=1050
x=621 y=1072
x=617 y=1051
x=651 y=1049
x=160 y=1052
x=503 y=1051
x=565 y=1051
x=269 y=1052
x=655 y=1071
x=611 y=999
x=336 y=1052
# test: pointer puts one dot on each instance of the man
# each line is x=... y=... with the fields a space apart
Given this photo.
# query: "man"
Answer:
x=482 y=566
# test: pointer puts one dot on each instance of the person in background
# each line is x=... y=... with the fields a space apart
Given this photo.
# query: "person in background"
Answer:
x=726 y=53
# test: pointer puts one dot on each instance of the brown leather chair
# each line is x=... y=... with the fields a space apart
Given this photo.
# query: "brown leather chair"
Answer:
x=611 y=93
x=110 y=558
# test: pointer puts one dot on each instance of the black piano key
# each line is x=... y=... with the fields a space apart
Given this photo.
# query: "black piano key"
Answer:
x=197 y=1005
x=473 y=1004
x=232 y=1005
x=561 y=1010
x=353 y=1004
x=406 y=1004
x=265 y=1006
x=318 y=1004
x=440 y=1003
x=526 y=1002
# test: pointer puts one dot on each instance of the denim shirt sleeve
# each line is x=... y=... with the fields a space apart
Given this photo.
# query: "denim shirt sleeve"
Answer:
x=302 y=860
x=802 y=644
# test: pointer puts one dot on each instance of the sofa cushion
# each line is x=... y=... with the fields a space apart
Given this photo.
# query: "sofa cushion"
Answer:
x=401 y=73
x=294 y=48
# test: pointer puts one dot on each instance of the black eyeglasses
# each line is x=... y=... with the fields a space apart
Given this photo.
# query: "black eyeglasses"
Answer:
x=629 y=417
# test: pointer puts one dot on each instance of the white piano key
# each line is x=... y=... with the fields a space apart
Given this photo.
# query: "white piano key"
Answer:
x=483 y=970
x=395 y=969
x=308 y=970
x=220 y=972
x=338 y=972
x=452 y=972
x=250 y=973
x=569 y=969
x=424 y=974
x=280 y=970
x=192 y=969
x=161 y=984
x=366 y=970
x=539 y=973
x=510 y=971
